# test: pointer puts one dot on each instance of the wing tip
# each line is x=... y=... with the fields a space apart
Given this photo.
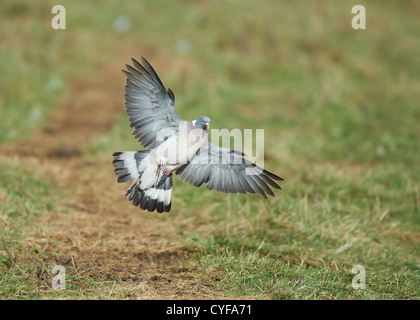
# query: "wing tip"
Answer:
x=135 y=61
x=272 y=175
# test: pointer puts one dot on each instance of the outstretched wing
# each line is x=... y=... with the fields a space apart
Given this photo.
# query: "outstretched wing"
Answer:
x=150 y=108
x=226 y=170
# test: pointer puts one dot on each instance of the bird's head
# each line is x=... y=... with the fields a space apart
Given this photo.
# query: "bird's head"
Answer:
x=202 y=123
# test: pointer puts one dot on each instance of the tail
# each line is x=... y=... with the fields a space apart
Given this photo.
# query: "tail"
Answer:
x=156 y=197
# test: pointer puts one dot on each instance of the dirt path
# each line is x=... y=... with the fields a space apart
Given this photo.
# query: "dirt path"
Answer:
x=92 y=226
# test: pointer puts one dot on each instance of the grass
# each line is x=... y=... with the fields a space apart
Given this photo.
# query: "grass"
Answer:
x=340 y=113
x=23 y=196
x=254 y=274
x=26 y=281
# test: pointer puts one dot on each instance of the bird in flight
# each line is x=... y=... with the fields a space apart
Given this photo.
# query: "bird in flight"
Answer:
x=176 y=146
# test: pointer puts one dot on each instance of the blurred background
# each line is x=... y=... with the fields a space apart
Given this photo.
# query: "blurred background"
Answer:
x=340 y=110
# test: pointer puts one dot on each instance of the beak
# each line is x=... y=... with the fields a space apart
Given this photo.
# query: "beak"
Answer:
x=207 y=125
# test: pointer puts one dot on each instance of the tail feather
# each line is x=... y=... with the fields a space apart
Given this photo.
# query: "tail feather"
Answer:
x=126 y=164
x=156 y=196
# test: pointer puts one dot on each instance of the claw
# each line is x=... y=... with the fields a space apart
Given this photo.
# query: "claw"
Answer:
x=166 y=171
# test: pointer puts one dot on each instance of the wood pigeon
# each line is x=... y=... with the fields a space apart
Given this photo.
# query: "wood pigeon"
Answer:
x=174 y=145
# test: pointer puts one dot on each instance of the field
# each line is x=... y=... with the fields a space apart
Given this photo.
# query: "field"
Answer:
x=340 y=112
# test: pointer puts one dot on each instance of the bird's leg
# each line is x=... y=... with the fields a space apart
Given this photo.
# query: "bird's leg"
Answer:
x=162 y=165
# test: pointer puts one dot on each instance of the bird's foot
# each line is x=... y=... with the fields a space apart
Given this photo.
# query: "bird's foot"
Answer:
x=166 y=171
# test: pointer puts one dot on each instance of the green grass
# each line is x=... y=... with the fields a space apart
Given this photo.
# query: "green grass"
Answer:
x=31 y=59
x=263 y=276
x=23 y=195
x=340 y=112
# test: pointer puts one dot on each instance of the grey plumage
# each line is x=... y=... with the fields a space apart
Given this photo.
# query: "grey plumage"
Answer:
x=157 y=127
x=225 y=171
x=149 y=106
